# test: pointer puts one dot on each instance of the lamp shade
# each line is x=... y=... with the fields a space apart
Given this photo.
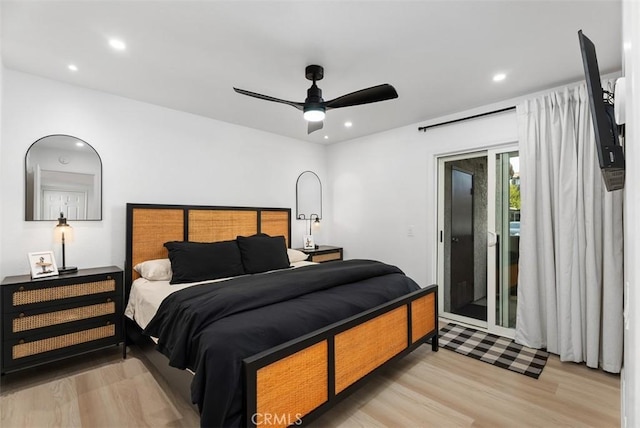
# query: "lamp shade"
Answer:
x=62 y=231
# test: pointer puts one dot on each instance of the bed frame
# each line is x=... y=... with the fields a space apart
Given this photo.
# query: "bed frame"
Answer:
x=295 y=382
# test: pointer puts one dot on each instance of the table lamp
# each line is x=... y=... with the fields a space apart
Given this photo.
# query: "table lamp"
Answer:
x=63 y=233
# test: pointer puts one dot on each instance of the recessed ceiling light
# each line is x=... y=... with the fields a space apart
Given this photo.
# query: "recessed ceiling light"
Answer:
x=79 y=144
x=348 y=124
x=118 y=45
x=499 y=77
x=72 y=67
x=326 y=137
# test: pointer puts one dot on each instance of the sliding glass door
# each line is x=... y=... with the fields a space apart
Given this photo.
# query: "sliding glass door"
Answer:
x=504 y=220
x=478 y=226
x=462 y=237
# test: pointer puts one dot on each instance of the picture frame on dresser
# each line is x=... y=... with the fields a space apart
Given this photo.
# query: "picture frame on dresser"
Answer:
x=308 y=242
x=42 y=264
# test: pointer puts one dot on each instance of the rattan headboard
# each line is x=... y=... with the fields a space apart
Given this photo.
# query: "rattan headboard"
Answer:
x=149 y=226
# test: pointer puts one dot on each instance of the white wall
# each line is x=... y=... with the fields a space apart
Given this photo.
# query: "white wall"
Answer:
x=384 y=184
x=150 y=154
x=631 y=369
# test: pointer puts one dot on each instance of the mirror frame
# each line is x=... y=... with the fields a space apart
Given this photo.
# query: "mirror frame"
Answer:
x=26 y=180
x=312 y=216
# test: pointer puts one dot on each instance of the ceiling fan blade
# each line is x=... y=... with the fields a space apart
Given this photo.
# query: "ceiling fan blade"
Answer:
x=364 y=96
x=314 y=126
x=299 y=106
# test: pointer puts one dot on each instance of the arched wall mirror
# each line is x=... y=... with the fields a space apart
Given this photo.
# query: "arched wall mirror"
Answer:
x=63 y=174
x=308 y=196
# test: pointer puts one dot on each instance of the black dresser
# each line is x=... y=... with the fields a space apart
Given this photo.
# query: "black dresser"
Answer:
x=52 y=318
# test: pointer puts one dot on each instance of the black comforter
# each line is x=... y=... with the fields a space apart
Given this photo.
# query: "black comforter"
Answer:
x=212 y=327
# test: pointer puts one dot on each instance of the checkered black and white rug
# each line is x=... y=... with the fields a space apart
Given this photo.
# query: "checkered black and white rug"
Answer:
x=492 y=349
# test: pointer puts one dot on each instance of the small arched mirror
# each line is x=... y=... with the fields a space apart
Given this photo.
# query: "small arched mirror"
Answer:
x=63 y=174
x=308 y=196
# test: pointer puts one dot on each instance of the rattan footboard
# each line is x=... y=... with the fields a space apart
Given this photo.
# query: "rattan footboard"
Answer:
x=297 y=381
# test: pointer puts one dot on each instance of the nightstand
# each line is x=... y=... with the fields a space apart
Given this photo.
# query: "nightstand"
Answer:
x=52 y=318
x=324 y=253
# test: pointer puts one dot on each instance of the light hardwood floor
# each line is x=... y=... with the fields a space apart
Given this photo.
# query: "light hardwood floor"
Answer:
x=424 y=389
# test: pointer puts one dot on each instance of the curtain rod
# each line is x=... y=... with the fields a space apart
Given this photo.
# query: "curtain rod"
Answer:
x=424 y=128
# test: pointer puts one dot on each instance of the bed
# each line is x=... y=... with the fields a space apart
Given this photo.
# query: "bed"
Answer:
x=305 y=345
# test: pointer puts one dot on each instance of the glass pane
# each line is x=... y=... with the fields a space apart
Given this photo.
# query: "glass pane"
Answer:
x=465 y=238
x=508 y=231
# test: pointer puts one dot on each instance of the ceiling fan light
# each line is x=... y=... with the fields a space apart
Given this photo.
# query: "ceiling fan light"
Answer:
x=314 y=115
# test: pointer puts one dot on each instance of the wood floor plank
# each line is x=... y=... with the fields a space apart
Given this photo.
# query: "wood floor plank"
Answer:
x=97 y=390
x=424 y=389
x=449 y=389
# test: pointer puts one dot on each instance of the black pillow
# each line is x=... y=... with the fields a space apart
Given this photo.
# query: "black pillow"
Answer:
x=261 y=253
x=200 y=261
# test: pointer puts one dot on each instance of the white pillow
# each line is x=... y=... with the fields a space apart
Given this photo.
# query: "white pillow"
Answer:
x=296 y=256
x=155 y=270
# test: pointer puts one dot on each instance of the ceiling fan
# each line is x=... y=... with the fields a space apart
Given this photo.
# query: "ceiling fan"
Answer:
x=314 y=106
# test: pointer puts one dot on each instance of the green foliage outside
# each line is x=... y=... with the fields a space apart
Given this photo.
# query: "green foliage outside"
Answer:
x=514 y=196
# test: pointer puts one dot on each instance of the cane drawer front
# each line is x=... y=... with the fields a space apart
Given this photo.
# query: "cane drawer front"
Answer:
x=37 y=349
x=29 y=321
x=323 y=254
x=326 y=257
x=35 y=294
x=49 y=319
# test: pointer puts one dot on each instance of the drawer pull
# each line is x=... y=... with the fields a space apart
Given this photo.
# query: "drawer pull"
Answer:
x=21 y=341
x=108 y=299
x=21 y=288
x=21 y=315
x=108 y=322
x=108 y=276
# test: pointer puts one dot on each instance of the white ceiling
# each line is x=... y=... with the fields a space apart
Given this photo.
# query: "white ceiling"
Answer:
x=188 y=55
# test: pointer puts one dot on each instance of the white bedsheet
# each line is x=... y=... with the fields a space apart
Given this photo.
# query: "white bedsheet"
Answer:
x=146 y=296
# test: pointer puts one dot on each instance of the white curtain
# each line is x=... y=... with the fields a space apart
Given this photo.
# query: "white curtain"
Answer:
x=570 y=286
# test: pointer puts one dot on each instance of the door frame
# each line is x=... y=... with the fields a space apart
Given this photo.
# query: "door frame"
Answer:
x=492 y=250
x=440 y=219
x=490 y=152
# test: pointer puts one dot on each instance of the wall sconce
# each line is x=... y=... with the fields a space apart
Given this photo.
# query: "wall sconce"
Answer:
x=315 y=220
x=62 y=234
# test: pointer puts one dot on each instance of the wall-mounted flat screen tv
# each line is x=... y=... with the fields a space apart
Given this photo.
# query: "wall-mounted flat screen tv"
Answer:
x=610 y=153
